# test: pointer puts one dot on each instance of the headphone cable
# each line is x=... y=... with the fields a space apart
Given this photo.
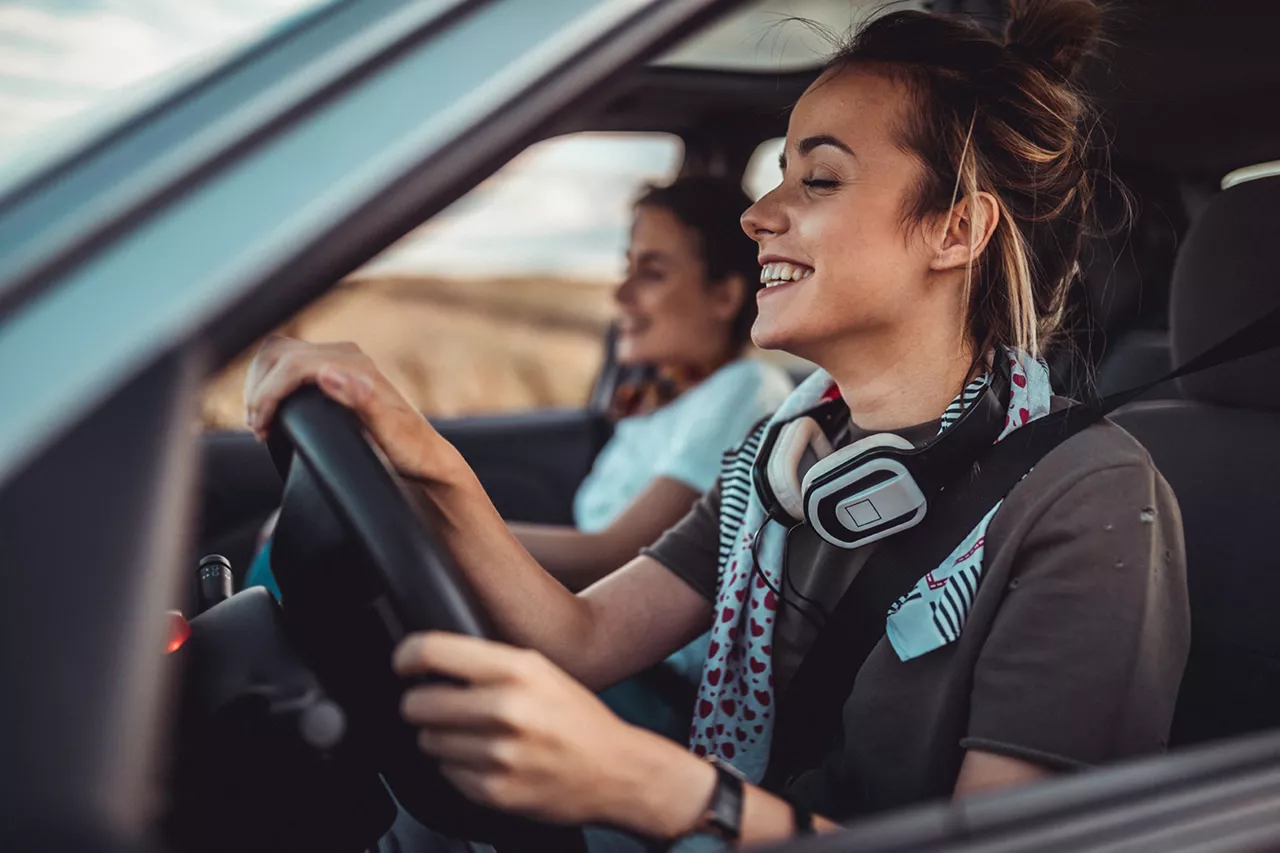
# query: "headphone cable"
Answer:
x=782 y=598
x=790 y=581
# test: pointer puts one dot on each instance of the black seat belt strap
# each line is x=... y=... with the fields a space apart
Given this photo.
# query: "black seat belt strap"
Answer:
x=809 y=713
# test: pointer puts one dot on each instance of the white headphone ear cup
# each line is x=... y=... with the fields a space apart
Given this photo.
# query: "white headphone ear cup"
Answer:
x=783 y=466
x=850 y=452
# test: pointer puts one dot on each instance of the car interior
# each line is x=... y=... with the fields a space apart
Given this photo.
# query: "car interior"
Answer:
x=1184 y=89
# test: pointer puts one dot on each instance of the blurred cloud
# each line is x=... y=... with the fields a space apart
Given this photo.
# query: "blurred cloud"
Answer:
x=60 y=58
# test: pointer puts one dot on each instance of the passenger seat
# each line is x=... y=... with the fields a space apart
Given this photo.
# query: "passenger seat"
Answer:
x=1219 y=448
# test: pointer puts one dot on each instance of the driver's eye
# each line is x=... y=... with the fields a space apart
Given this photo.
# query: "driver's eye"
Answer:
x=820 y=183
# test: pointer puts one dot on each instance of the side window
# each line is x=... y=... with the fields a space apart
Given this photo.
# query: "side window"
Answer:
x=500 y=303
x=762 y=173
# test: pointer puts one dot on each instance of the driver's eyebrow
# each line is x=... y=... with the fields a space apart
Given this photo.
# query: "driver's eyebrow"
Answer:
x=809 y=143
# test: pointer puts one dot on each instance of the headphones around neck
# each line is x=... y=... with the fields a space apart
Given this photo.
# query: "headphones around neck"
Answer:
x=876 y=486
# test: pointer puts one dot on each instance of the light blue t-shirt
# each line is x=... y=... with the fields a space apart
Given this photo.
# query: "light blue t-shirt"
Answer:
x=683 y=440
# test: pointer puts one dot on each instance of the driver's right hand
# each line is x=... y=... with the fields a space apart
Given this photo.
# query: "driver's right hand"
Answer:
x=349 y=376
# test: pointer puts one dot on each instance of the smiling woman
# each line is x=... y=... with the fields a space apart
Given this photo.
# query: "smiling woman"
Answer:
x=938 y=184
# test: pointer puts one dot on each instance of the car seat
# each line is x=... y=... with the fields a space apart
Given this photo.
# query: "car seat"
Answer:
x=1219 y=448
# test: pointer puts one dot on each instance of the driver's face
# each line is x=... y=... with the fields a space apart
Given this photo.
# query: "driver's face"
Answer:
x=846 y=265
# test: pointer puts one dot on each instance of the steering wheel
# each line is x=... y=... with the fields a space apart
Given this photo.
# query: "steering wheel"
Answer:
x=357 y=570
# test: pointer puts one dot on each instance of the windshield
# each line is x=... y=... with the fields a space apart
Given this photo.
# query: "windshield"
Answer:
x=778 y=35
x=69 y=67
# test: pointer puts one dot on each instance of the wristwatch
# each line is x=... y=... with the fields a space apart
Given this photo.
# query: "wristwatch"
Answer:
x=723 y=816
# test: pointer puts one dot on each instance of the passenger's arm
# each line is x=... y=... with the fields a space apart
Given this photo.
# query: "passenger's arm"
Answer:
x=631 y=620
x=579 y=559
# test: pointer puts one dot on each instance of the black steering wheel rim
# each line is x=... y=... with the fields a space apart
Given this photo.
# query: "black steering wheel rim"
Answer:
x=425 y=589
x=357 y=570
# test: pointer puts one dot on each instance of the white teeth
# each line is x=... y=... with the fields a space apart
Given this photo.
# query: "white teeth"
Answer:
x=780 y=273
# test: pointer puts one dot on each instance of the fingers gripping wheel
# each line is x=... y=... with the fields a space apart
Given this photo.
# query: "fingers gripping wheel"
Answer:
x=357 y=570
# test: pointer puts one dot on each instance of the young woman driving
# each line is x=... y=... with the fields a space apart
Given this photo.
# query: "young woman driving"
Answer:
x=919 y=248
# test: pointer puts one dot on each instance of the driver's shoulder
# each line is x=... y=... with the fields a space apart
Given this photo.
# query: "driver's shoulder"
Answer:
x=1098 y=481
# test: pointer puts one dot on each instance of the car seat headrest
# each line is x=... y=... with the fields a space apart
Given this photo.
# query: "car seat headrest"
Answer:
x=1225 y=277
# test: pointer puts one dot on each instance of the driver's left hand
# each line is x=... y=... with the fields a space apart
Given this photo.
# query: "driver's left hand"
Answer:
x=520 y=735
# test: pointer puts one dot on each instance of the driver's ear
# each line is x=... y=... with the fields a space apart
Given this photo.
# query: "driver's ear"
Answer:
x=962 y=233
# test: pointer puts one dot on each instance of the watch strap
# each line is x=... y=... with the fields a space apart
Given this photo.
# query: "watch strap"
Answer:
x=801 y=814
x=723 y=816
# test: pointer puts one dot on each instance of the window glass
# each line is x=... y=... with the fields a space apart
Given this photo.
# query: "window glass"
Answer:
x=778 y=35
x=501 y=302
x=70 y=66
x=763 y=172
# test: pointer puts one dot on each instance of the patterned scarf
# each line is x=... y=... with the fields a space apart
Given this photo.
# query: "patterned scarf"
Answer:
x=733 y=717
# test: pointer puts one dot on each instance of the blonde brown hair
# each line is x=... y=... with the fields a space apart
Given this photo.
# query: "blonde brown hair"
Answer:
x=1005 y=118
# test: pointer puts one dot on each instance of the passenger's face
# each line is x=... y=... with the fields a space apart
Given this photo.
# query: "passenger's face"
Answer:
x=836 y=223
x=667 y=310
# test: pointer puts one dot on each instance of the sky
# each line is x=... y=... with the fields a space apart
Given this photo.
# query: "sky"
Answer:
x=560 y=208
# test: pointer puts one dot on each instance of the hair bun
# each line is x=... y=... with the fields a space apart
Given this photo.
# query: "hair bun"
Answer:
x=1058 y=34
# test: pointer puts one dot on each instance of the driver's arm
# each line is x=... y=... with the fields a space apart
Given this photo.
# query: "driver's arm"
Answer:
x=629 y=620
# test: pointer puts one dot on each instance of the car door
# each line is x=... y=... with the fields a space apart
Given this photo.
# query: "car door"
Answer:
x=139 y=263
x=1221 y=797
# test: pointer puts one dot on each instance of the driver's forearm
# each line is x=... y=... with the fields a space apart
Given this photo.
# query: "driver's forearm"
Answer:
x=528 y=606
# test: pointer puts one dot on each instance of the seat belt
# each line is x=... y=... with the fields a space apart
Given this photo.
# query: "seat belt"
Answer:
x=809 y=713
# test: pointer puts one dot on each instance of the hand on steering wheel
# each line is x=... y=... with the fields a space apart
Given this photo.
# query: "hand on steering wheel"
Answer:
x=521 y=735
x=359 y=567
x=348 y=376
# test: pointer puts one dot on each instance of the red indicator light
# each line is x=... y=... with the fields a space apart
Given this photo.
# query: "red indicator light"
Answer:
x=178 y=631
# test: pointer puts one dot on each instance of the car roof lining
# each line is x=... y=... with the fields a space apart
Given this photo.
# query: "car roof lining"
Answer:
x=1169 y=80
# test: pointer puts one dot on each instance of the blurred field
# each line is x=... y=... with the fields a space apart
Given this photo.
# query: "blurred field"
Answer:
x=454 y=347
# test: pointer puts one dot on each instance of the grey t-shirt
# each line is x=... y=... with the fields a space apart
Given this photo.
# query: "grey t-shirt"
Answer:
x=1071 y=655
